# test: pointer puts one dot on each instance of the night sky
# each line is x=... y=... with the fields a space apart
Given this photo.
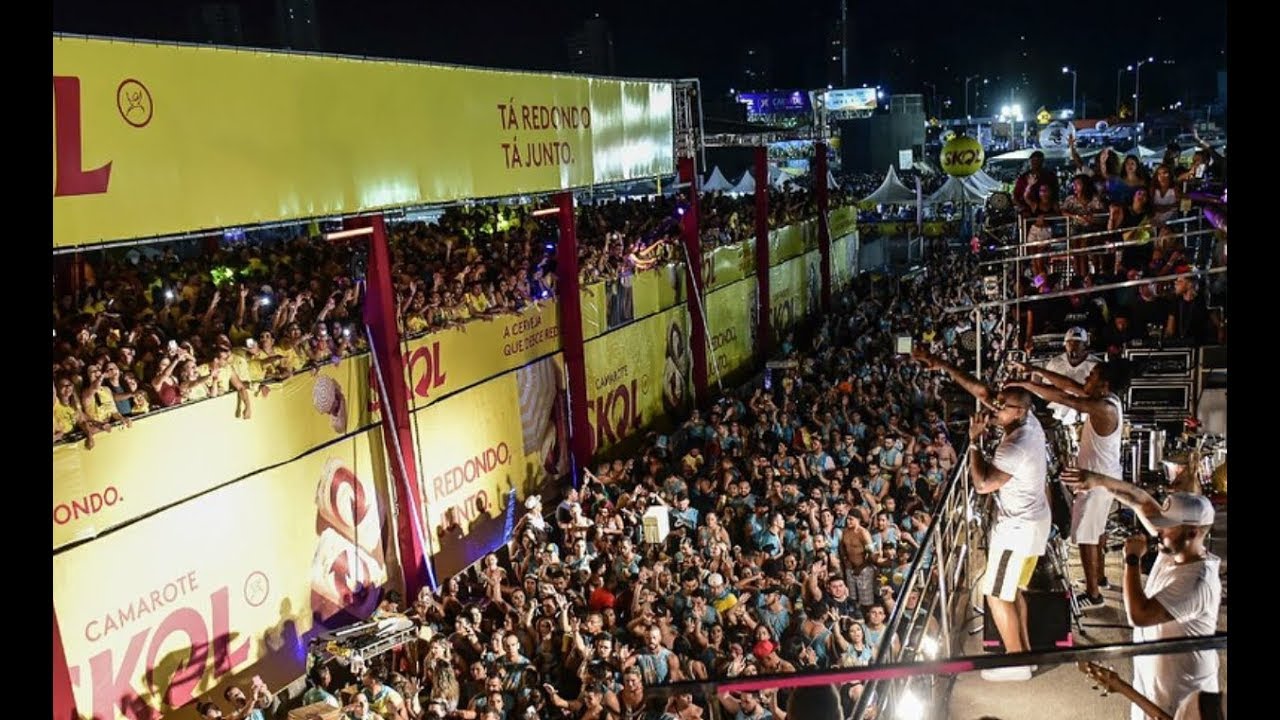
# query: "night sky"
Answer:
x=900 y=44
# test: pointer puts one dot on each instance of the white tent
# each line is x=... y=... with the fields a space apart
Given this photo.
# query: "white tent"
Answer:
x=831 y=181
x=1050 y=154
x=779 y=179
x=891 y=191
x=716 y=182
x=746 y=185
x=987 y=182
x=959 y=190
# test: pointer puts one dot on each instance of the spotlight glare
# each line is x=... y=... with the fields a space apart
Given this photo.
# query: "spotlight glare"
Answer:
x=910 y=707
x=930 y=647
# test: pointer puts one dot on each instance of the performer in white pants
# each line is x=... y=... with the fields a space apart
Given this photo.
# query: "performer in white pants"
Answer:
x=1098 y=399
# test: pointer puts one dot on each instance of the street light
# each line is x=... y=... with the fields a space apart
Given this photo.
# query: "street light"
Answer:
x=1137 y=81
x=1138 y=76
x=966 y=93
x=1066 y=70
x=933 y=105
x=1121 y=70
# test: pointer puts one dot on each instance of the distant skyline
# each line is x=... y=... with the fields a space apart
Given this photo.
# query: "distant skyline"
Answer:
x=909 y=46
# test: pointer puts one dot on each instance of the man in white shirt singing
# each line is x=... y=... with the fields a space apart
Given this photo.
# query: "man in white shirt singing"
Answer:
x=1017 y=474
x=1181 y=597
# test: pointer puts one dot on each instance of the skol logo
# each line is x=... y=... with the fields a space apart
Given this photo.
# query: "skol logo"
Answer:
x=112 y=678
x=431 y=375
x=70 y=177
x=423 y=374
x=961 y=157
x=617 y=414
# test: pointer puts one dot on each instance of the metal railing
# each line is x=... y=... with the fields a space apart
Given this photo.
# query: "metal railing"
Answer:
x=920 y=627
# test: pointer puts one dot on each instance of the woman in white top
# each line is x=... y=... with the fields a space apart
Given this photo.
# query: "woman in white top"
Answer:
x=1165 y=196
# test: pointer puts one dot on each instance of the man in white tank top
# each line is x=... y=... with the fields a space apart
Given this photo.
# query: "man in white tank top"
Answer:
x=1098 y=400
x=1075 y=363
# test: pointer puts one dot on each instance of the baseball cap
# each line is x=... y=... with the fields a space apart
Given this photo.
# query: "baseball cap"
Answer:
x=533 y=501
x=1077 y=333
x=1182 y=508
x=715 y=580
x=763 y=648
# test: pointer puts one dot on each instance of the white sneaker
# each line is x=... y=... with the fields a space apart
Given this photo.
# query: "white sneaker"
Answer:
x=1009 y=674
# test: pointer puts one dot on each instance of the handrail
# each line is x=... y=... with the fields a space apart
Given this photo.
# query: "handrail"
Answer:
x=1084 y=250
x=957 y=487
x=1096 y=233
x=947 y=666
x=1083 y=291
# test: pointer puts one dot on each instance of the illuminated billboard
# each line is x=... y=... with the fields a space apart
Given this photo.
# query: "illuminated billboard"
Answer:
x=851 y=100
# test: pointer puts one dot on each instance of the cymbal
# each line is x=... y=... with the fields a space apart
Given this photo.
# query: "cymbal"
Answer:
x=1220 y=478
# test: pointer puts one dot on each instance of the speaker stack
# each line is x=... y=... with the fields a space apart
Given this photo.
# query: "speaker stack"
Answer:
x=1163 y=387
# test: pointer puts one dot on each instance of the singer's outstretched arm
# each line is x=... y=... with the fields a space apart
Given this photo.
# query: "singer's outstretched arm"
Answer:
x=1128 y=493
x=971 y=384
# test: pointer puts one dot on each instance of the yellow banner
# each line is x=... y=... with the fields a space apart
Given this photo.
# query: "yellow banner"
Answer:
x=844 y=261
x=169 y=456
x=658 y=289
x=229 y=585
x=154 y=139
x=844 y=220
x=636 y=374
x=613 y=303
x=933 y=228
x=447 y=361
x=482 y=452
x=792 y=241
x=728 y=264
x=731 y=322
x=788 y=295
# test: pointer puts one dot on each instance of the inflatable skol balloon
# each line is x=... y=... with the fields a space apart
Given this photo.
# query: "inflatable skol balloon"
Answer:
x=962 y=156
x=1056 y=135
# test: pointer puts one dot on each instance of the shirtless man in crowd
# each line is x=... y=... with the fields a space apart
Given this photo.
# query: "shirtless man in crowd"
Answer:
x=855 y=553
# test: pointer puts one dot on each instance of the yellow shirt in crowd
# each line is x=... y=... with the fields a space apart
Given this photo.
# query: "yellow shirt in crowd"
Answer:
x=64 y=417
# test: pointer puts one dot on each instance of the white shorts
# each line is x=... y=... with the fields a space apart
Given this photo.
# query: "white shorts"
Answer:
x=1089 y=513
x=1015 y=548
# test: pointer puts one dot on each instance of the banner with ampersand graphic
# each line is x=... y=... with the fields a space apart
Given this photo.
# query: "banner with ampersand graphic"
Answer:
x=234 y=583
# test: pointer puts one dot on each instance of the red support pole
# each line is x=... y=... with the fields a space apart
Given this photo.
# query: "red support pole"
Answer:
x=397 y=433
x=571 y=341
x=764 y=324
x=691 y=235
x=64 y=701
x=824 y=228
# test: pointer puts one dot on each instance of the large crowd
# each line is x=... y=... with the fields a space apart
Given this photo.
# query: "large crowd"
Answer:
x=796 y=509
x=143 y=330
x=1112 y=200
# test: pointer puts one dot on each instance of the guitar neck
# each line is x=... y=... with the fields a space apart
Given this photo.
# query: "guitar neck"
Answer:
x=1114 y=683
x=1141 y=701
